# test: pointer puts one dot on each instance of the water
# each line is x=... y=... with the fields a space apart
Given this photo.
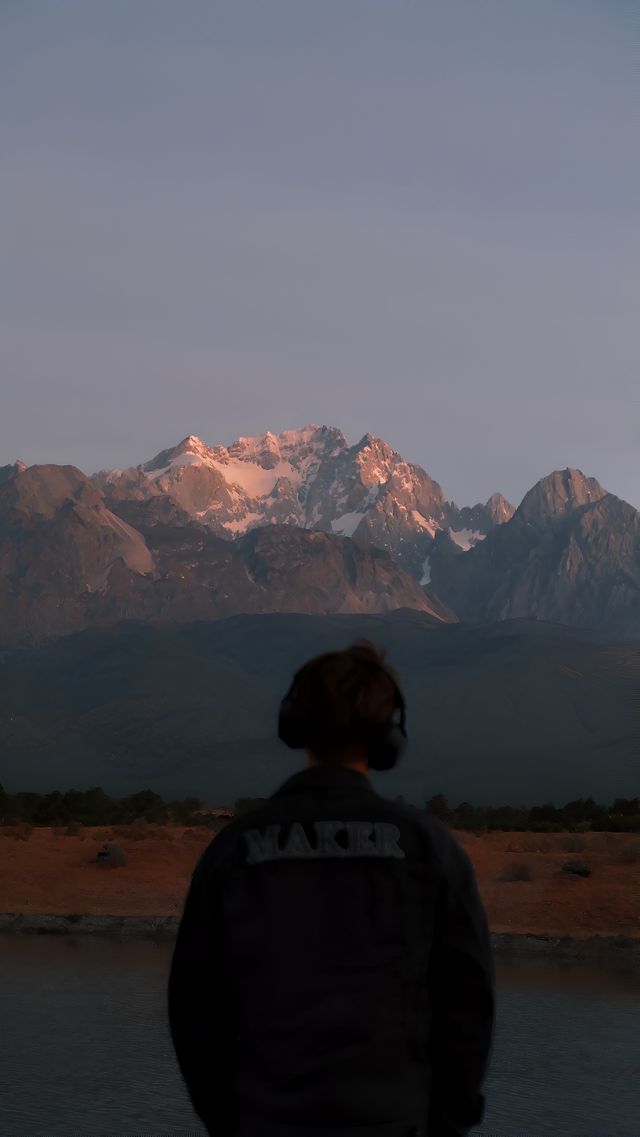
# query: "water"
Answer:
x=85 y=1049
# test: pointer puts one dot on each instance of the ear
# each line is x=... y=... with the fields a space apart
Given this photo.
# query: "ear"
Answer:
x=290 y=725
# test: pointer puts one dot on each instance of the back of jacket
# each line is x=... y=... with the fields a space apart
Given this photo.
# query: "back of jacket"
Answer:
x=354 y=978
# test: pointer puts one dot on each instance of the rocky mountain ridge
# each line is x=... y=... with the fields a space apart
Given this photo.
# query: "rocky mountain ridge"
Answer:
x=175 y=538
x=570 y=553
x=311 y=478
x=69 y=562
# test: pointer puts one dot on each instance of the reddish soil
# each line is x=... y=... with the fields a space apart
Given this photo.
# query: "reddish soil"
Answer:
x=55 y=873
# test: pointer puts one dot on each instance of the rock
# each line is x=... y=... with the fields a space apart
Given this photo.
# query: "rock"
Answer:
x=111 y=855
x=576 y=868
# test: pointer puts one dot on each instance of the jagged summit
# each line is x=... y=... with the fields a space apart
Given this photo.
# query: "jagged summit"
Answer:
x=557 y=494
x=12 y=470
x=311 y=477
x=499 y=509
x=190 y=449
x=570 y=554
x=193 y=443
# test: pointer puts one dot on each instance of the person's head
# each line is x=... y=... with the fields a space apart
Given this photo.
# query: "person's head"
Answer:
x=340 y=706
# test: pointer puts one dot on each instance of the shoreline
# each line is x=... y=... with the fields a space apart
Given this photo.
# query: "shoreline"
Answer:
x=512 y=945
x=54 y=885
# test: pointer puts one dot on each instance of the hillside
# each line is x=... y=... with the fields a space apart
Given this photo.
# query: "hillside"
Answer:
x=509 y=713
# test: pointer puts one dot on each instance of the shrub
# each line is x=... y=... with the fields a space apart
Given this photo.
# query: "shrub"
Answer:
x=576 y=868
x=517 y=870
x=74 y=829
x=111 y=856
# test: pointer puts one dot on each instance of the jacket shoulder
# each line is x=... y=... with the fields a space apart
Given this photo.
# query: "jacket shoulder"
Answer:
x=441 y=842
x=222 y=849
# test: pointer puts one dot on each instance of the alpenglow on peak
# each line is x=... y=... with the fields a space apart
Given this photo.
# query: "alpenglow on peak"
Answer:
x=310 y=477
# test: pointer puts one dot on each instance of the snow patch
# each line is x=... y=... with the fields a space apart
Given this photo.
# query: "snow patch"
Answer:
x=254 y=480
x=466 y=538
x=424 y=522
x=187 y=458
x=132 y=548
x=426 y=571
x=347 y=524
x=243 y=523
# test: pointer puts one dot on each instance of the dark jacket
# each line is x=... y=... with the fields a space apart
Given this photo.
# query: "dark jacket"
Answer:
x=333 y=968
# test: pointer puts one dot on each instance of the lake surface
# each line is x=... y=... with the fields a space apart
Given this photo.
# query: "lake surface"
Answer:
x=85 y=1049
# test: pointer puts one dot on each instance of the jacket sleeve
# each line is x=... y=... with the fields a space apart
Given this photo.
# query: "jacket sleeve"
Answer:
x=200 y=1017
x=462 y=997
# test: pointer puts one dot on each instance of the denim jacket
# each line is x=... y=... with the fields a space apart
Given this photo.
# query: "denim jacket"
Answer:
x=332 y=970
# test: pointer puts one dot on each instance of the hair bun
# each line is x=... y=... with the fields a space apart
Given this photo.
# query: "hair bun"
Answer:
x=366 y=651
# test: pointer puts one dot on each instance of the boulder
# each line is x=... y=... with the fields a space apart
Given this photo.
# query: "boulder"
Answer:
x=111 y=855
x=576 y=868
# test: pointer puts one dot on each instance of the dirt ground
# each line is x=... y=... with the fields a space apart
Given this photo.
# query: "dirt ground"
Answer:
x=54 y=873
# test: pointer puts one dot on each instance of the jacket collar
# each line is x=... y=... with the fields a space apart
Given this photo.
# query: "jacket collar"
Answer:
x=333 y=777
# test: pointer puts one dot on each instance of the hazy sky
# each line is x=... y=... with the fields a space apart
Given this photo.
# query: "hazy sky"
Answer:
x=417 y=219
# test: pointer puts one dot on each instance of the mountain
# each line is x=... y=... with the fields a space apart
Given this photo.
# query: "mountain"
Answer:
x=69 y=562
x=59 y=548
x=519 y=712
x=311 y=478
x=570 y=553
x=201 y=532
x=10 y=471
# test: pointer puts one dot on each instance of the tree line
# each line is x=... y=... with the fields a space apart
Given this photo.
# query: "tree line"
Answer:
x=580 y=815
x=95 y=807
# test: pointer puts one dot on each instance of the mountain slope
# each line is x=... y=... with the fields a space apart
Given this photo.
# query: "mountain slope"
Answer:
x=571 y=552
x=59 y=549
x=517 y=712
x=70 y=563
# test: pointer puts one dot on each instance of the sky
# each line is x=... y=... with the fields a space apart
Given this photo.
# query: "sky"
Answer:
x=416 y=219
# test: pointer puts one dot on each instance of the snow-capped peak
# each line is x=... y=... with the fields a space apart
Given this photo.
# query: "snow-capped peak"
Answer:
x=193 y=443
x=308 y=476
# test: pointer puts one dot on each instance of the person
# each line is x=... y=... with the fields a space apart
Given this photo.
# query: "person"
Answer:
x=332 y=971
